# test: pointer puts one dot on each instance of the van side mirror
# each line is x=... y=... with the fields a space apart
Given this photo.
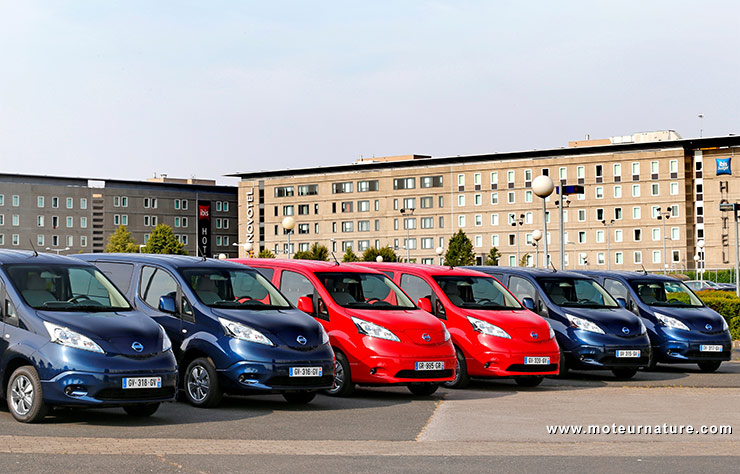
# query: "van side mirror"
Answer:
x=528 y=303
x=622 y=302
x=167 y=304
x=425 y=304
x=305 y=304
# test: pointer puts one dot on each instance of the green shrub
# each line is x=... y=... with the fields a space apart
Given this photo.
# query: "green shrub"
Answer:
x=726 y=304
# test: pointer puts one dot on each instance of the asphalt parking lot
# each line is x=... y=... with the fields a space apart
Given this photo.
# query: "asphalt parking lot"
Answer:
x=491 y=425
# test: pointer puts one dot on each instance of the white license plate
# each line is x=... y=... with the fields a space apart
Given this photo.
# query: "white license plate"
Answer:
x=306 y=371
x=536 y=360
x=628 y=353
x=437 y=365
x=710 y=348
x=142 y=382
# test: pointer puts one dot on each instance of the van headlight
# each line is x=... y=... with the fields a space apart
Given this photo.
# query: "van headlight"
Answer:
x=244 y=332
x=374 y=330
x=585 y=324
x=487 y=328
x=672 y=323
x=166 y=342
x=67 y=337
x=447 y=333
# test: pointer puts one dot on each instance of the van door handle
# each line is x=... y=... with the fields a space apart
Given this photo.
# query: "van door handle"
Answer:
x=184 y=331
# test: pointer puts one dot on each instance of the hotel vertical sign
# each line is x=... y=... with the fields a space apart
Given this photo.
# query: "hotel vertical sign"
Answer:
x=204 y=228
x=250 y=216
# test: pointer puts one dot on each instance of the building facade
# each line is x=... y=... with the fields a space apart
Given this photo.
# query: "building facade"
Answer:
x=648 y=200
x=73 y=215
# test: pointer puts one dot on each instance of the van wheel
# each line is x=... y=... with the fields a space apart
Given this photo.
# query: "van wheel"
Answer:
x=624 y=373
x=299 y=398
x=528 y=381
x=563 y=366
x=25 y=396
x=343 y=385
x=423 y=389
x=201 y=384
x=709 y=365
x=462 y=379
x=141 y=411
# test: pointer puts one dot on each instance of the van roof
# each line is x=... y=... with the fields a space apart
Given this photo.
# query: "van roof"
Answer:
x=172 y=261
x=535 y=272
x=28 y=256
x=627 y=275
x=430 y=270
x=308 y=265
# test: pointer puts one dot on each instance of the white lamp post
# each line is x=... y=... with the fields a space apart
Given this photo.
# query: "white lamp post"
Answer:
x=379 y=258
x=536 y=236
x=440 y=250
x=701 y=245
x=58 y=251
x=543 y=187
x=289 y=225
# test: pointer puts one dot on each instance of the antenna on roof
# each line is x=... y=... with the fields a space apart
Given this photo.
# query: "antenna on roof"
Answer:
x=644 y=272
x=336 y=262
x=554 y=270
x=200 y=251
x=35 y=253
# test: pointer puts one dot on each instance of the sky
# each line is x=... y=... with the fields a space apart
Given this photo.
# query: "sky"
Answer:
x=130 y=89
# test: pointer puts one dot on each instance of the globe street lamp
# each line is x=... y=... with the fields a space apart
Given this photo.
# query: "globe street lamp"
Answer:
x=518 y=223
x=701 y=245
x=58 y=251
x=289 y=225
x=440 y=250
x=607 y=225
x=536 y=236
x=543 y=187
x=248 y=246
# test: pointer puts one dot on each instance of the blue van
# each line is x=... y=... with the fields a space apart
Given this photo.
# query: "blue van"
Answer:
x=681 y=328
x=593 y=331
x=232 y=330
x=70 y=339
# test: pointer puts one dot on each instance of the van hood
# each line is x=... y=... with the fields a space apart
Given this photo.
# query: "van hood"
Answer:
x=702 y=319
x=114 y=332
x=616 y=321
x=416 y=325
x=282 y=326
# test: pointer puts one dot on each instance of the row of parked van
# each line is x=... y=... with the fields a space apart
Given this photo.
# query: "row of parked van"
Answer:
x=134 y=330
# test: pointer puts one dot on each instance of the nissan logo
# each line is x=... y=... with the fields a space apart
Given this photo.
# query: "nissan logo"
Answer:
x=626 y=330
x=137 y=346
x=301 y=340
x=534 y=335
x=426 y=337
x=708 y=327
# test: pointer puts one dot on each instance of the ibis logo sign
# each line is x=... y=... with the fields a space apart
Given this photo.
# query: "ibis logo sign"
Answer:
x=724 y=166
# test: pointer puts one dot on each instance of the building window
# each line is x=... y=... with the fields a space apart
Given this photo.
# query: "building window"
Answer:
x=15 y=239
x=40 y=239
x=654 y=189
x=510 y=178
x=494 y=219
x=348 y=226
x=617 y=235
x=461 y=182
x=512 y=260
x=674 y=189
x=363 y=245
x=362 y=226
x=599 y=192
x=283 y=191
x=16 y=220
x=656 y=233
x=654 y=169
x=70 y=222
x=478 y=241
x=16 y=202
x=581 y=174
x=599 y=214
x=461 y=221
x=637 y=257
x=527 y=196
x=117 y=220
x=345 y=206
x=340 y=188
x=427 y=202
x=184 y=208
x=617 y=192
x=635 y=190
x=124 y=201
x=308 y=190
x=460 y=200
x=494 y=240
x=409 y=203
x=427 y=222
x=441 y=201
x=599 y=236
x=635 y=171
x=477 y=200
x=618 y=258
x=427 y=242
x=494 y=198
x=637 y=235
x=404 y=183
x=674 y=210
x=581 y=215
x=431 y=181
x=477 y=181
x=636 y=214
x=70 y=203
x=599 y=172
x=55 y=202
x=656 y=256
x=409 y=223
x=618 y=213
x=362 y=206
x=617 y=172
x=511 y=197
x=124 y=220
x=478 y=220
x=494 y=180
x=40 y=201
x=177 y=204
x=39 y=221
x=675 y=233
x=581 y=237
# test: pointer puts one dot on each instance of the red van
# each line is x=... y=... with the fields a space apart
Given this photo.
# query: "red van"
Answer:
x=378 y=335
x=494 y=335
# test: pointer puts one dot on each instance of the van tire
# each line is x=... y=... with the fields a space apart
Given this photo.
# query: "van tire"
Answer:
x=462 y=379
x=708 y=366
x=25 y=395
x=201 y=385
x=343 y=385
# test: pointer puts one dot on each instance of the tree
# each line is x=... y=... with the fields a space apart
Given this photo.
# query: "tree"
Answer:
x=121 y=241
x=459 y=251
x=524 y=261
x=350 y=256
x=265 y=253
x=162 y=240
x=316 y=252
x=371 y=254
x=493 y=257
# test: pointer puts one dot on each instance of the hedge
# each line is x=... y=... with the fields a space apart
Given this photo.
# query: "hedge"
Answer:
x=726 y=304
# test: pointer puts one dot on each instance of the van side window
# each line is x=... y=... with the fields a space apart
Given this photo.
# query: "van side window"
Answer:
x=84 y=283
x=119 y=273
x=266 y=272
x=9 y=314
x=616 y=288
x=156 y=283
x=294 y=285
x=522 y=288
x=415 y=287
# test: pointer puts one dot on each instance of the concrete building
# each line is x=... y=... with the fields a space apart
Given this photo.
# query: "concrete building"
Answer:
x=649 y=199
x=72 y=215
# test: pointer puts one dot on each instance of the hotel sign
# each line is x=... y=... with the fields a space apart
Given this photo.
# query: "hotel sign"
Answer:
x=250 y=217
x=204 y=228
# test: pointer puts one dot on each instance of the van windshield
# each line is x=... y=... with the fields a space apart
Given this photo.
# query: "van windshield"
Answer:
x=576 y=292
x=233 y=288
x=57 y=287
x=665 y=293
x=477 y=292
x=364 y=291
